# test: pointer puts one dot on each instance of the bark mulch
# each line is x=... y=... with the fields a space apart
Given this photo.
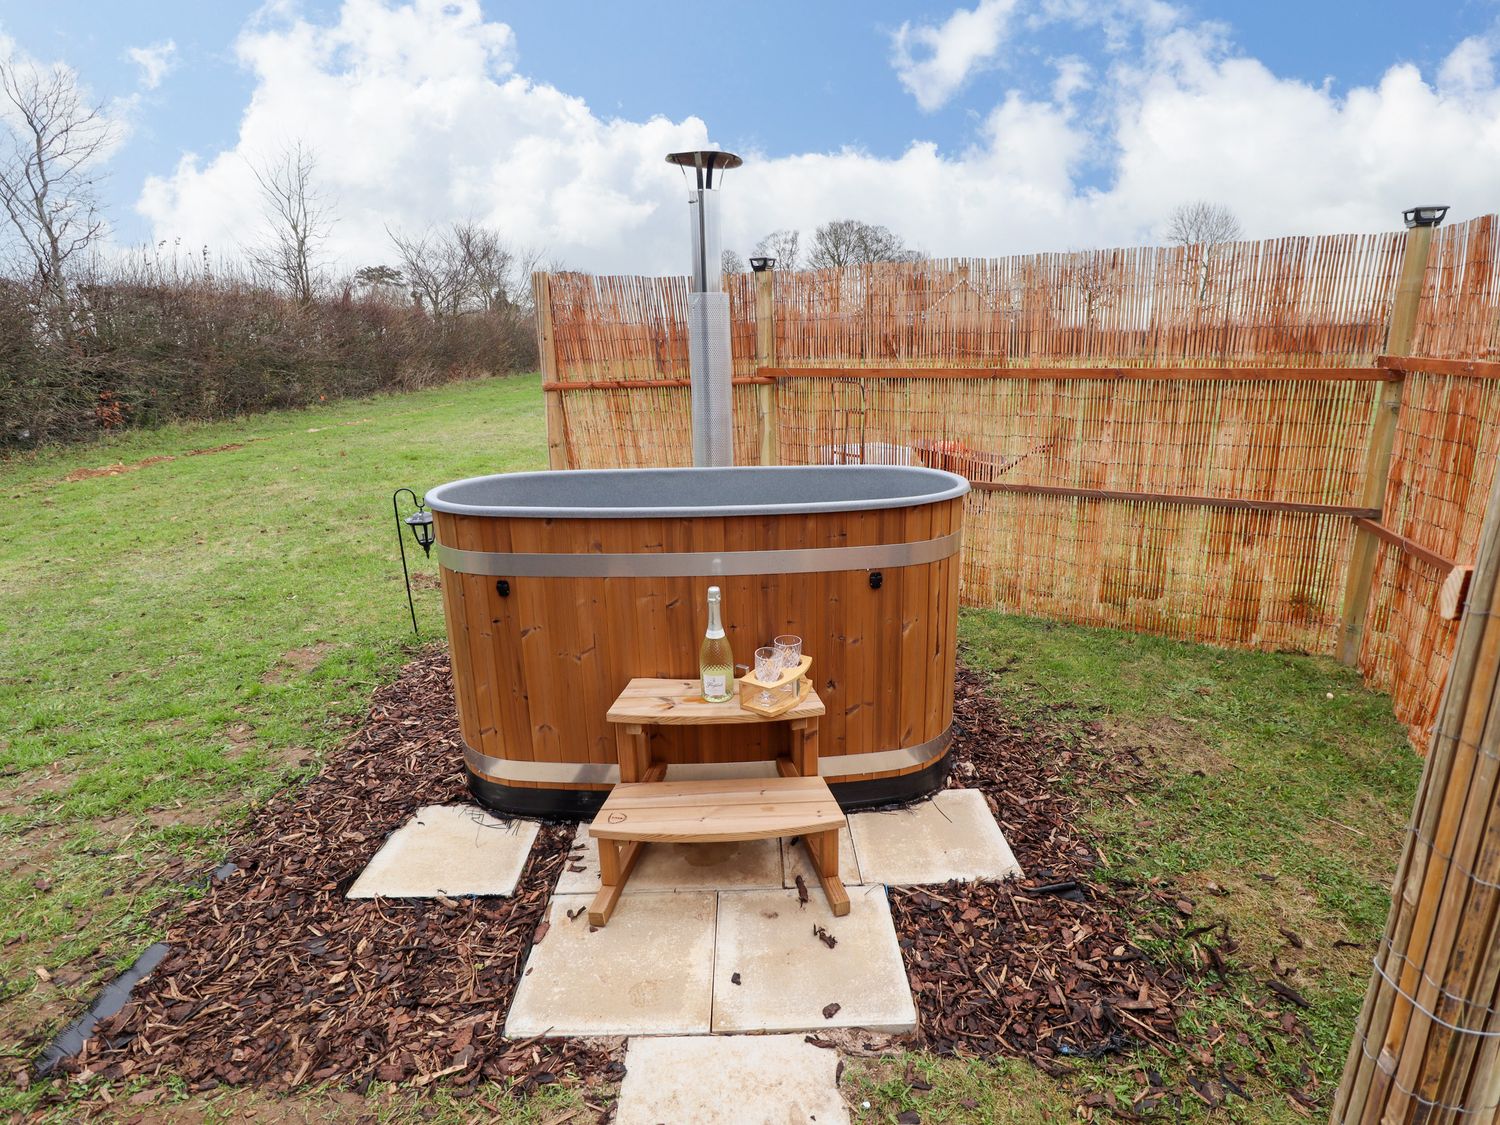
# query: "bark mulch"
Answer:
x=274 y=978
x=1045 y=967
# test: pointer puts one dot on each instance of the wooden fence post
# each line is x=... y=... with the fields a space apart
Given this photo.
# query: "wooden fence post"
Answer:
x=1425 y=1042
x=765 y=356
x=546 y=346
x=1387 y=411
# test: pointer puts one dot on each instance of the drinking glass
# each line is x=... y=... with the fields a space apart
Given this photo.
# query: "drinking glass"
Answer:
x=767 y=668
x=788 y=650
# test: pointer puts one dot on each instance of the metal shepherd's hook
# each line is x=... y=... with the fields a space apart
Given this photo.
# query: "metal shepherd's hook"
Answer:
x=420 y=523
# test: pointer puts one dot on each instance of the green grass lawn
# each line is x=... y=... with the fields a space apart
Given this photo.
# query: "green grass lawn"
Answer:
x=185 y=638
x=182 y=639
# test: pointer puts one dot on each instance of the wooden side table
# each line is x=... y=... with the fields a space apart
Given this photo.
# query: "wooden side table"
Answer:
x=647 y=702
x=798 y=803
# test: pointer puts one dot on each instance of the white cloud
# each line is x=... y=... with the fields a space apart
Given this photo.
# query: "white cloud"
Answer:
x=1471 y=65
x=1073 y=77
x=155 y=61
x=419 y=114
x=933 y=62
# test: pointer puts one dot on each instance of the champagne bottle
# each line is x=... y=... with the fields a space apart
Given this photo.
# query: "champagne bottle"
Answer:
x=715 y=659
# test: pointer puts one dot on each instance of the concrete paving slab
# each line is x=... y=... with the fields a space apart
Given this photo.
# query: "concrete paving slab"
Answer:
x=794 y=862
x=788 y=977
x=677 y=867
x=449 y=850
x=649 y=972
x=951 y=836
x=730 y=1080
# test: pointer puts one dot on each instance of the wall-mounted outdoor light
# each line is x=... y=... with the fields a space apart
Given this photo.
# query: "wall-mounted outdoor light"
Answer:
x=762 y=265
x=1428 y=216
x=420 y=522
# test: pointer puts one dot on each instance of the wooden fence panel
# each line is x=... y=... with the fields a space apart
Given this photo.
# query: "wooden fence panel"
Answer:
x=1442 y=465
x=1263 y=579
x=637 y=427
x=1246 y=579
x=1459 y=316
x=1286 y=302
x=610 y=328
x=1294 y=440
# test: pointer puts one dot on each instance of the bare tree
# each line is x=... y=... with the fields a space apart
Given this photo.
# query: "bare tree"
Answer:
x=845 y=242
x=489 y=263
x=54 y=144
x=730 y=262
x=1097 y=285
x=1202 y=223
x=299 y=217
x=1204 y=228
x=435 y=267
x=784 y=245
x=466 y=267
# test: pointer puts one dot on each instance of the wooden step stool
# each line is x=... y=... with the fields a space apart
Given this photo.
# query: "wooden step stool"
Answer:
x=705 y=812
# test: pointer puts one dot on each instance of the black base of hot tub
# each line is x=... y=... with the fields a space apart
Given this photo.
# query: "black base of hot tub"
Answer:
x=577 y=804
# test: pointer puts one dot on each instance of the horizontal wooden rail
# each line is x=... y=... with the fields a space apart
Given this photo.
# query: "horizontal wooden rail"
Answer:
x=1184 y=374
x=1409 y=546
x=1174 y=498
x=1424 y=365
x=641 y=384
x=768 y=375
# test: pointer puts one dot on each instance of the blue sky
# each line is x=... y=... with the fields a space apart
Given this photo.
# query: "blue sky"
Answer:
x=785 y=81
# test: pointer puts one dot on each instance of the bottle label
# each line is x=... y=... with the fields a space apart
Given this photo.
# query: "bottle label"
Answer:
x=713 y=685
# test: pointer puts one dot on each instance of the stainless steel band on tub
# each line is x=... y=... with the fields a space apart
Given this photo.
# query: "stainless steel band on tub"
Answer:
x=832 y=766
x=698 y=564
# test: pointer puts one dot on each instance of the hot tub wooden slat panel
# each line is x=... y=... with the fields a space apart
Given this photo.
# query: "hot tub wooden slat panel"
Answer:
x=933 y=634
x=619 y=613
x=515 y=720
x=912 y=668
x=482 y=650
x=478 y=591
x=456 y=617
x=885 y=657
x=539 y=622
x=888 y=726
x=590 y=701
x=851 y=635
x=848 y=624
x=514 y=739
x=482 y=659
x=572 y=730
x=464 y=677
x=950 y=569
x=558 y=650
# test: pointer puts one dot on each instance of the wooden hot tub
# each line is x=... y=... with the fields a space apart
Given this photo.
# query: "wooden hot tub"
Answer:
x=559 y=587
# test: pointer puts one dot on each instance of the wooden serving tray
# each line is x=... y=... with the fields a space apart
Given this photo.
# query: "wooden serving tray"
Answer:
x=750 y=689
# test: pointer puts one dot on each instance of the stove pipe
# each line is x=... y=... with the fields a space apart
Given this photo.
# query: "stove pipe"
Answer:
x=709 y=363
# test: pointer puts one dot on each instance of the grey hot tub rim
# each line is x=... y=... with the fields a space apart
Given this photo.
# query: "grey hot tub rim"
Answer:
x=695 y=492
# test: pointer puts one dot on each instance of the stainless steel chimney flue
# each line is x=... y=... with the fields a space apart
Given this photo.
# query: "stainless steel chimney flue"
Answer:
x=709 y=362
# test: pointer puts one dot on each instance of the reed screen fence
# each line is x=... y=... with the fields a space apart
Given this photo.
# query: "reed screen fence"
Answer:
x=1159 y=439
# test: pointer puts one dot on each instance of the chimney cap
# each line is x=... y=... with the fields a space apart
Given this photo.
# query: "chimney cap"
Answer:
x=705 y=160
